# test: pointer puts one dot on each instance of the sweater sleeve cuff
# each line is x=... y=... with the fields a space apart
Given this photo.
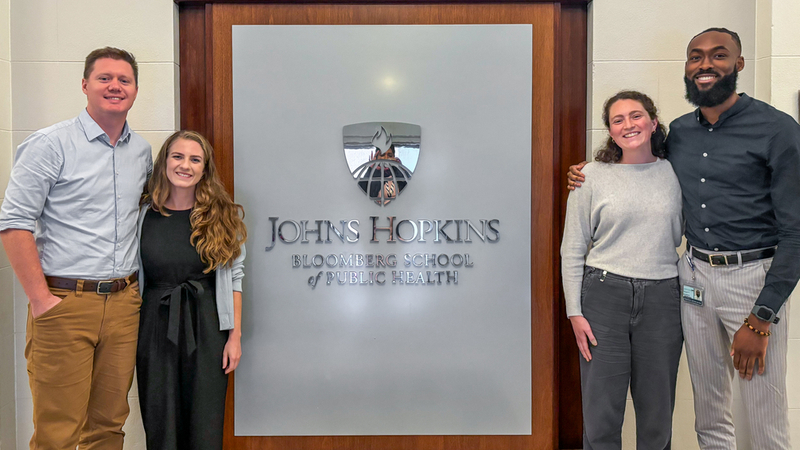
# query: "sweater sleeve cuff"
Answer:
x=574 y=308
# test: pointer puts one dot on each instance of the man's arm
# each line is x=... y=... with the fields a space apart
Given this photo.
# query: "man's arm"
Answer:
x=749 y=347
x=575 y=177
x=20 y=247
x=35 y=172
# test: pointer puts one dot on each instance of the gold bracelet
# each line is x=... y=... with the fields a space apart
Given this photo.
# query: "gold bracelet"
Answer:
x=755 y=330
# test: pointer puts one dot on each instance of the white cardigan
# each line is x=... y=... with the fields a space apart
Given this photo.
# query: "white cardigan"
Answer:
x=229 y=279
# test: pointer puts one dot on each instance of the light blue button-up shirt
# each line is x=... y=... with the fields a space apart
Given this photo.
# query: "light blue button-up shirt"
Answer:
x=79 y=195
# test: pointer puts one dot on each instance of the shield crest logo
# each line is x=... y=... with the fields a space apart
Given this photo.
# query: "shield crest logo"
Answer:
x=382 y=157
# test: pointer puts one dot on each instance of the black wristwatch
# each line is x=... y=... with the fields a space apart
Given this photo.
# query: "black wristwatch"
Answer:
x=765 y=313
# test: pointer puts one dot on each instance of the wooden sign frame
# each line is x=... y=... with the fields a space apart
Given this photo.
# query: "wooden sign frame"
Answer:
x=558 y=140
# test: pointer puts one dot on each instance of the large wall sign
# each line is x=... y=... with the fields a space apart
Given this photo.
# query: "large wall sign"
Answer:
x=385 y=173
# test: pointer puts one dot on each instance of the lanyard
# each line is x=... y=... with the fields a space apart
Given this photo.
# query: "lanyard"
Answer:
x=691 y=263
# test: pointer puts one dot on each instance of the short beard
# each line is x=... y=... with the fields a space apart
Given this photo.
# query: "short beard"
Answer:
x=716 y=95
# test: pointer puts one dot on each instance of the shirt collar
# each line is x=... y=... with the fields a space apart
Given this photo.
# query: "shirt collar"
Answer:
x=743 y=102
x=93 y=130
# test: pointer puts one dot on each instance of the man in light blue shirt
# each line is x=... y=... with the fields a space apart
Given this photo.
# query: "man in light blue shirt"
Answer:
x=68 y=225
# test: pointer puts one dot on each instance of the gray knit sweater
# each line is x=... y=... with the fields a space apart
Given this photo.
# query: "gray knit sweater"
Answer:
x=626 y=219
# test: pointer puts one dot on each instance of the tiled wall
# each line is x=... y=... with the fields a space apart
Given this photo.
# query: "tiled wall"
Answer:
x=7 y=398
x=41 y=65
x=642 y=45
x=784 y=75
x=785 y=60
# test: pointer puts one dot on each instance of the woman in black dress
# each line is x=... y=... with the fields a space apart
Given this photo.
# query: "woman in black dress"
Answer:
x=192 y=257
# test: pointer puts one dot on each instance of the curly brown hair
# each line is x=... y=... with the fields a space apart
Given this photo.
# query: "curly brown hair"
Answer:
x=218 y=231
x=610 y=152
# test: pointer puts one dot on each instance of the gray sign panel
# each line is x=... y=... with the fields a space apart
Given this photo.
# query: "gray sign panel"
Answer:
x=406 y=311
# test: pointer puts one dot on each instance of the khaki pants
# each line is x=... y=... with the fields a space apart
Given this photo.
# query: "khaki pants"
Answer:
x=81 y=355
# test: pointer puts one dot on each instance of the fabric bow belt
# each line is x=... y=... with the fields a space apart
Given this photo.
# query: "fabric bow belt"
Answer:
x=178 y=300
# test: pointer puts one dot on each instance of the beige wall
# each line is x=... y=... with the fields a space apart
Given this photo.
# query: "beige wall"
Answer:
x=784 y=62
x=642 y=46
x=7 y=398
x=41 y=64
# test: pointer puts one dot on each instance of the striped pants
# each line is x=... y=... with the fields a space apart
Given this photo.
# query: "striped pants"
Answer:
x=730 y=293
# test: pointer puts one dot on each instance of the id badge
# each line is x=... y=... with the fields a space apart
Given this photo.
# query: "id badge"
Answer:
x=693 y=295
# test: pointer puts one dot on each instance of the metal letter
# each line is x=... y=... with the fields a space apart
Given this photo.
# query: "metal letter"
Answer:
x=481 y=234
x=376 y=228
x=328 y=260
x=467 y=262
x=296 y=229
x=413 y=226
x=460 y=260
x=440 y=229
x=339 y=234
x=272 y=240
x=353 y=229
x=496 y=231
x=305 y=231
x=423 y=230
x=454 y=277
x=439 y=260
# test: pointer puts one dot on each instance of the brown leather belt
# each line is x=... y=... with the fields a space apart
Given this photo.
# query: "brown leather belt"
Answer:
x=100 y=287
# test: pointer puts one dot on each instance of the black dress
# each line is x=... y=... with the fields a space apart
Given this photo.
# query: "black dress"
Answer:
x=179 y=358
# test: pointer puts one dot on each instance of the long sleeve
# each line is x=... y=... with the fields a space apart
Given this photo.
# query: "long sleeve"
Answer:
x=784 y=165
x=237 y=270
x=35 y=171
x=575 y=245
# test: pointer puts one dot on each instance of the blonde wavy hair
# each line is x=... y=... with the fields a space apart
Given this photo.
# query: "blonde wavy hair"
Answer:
x=218 y=231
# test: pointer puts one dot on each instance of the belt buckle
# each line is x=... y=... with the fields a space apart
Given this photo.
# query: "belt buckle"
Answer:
x=105 y=287
x=722 y=260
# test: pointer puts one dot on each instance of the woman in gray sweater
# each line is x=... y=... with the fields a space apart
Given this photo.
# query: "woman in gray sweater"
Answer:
x=620 y=278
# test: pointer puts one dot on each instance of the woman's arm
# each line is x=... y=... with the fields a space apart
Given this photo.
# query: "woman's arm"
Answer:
x=583 y=333
x=232 y=352
x=574 y=247
x=578 y=226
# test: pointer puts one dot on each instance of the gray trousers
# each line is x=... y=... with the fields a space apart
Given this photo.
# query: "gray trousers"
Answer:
x=637 y=324
x=730 y=292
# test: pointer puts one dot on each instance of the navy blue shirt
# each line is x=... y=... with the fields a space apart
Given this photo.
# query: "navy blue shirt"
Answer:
x=741 y=186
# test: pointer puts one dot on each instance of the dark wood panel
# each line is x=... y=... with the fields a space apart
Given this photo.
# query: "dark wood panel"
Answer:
x=193 y=56
x=571 y=147
x=543 y=144
x=559 y=38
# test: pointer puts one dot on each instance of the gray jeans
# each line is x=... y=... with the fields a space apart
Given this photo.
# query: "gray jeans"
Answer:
x=637 y=324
